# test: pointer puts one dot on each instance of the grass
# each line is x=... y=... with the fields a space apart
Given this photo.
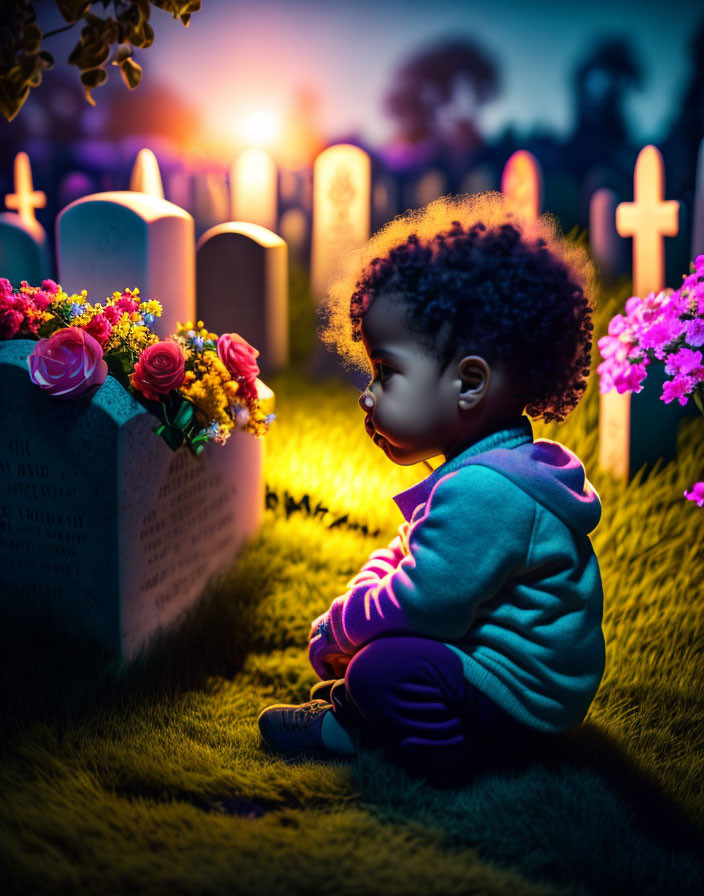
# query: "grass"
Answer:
x=150 y=778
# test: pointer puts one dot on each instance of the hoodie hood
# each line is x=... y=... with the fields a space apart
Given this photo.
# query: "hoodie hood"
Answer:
x=548 y=471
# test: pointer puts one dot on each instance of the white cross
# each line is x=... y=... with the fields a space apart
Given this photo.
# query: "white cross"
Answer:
x=647 y=219
x=25 y=199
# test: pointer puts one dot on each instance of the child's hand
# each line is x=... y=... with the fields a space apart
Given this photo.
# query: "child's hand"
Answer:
x=325 y=656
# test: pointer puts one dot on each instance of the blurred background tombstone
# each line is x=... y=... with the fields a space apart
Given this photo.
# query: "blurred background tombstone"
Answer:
x=111 y=241
x=608 y=248
x=522 y=185
x=698 y=216
x=384 y=201
x=341 y=210
x=432 y=185
x=253 y=189
x=294 y=229
x=146 y=177
x=638 y=428
x=179 y=189
x=211 y=200
x=24 y=248
x=242 y=287
x=480 y=179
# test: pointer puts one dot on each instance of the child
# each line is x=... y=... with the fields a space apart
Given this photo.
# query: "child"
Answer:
x=482 y=618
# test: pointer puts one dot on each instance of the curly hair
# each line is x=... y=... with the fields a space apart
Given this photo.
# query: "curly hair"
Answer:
x=476 y=279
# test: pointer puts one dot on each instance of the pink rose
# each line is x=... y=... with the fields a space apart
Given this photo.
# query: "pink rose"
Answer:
x=99 y=328
x=161 y=368
x=50 y=286
x=112 y=314
x=239 y=358
x=69 y=364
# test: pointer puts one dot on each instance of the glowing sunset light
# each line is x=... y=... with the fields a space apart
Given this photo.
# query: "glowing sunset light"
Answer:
x=259 y=128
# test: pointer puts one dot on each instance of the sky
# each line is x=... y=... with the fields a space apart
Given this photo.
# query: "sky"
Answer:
x=240 y=58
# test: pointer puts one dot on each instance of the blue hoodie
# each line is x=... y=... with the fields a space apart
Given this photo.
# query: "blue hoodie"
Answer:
x=495 y=560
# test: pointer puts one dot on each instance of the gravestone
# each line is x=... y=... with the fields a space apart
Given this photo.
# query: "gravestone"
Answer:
x=522 y=185
x=431 y=186
x=637 y=428
x=112 y=241
x=22 y=255
x=146 y=177
x=253 y=189
x=698 y=217
x=341 y=210
x=607 y=246
x=211 y=200
x=24 y=248
x=293 y=228
x=101 y=521
x=384 y=200
x=179 y=189
x=242 y=287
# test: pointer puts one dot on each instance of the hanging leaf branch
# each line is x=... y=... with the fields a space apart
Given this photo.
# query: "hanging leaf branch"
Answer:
x=103 y=39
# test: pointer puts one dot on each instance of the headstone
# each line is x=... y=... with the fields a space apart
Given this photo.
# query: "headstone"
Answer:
x=638 y=428
x=127 y=544
x=341 y=210
x=242 y=287
x=384 y=200
x=211 y=200
x=698 y=217
x=179 y=189
x=432 y=185
x=522 y=185
x=113 y=241
x=253 y=189
x=606 y=245
x=293 y=228
x=480 y=179
x=22 y=255
x=146 y=177
x=24 y=248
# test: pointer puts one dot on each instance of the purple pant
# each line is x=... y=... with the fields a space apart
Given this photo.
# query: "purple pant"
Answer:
x=413 y=698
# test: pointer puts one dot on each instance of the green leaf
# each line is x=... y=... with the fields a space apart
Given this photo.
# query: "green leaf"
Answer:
x=131 y=73
x=184 y=415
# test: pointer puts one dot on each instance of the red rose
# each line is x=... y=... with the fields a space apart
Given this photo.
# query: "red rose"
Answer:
x=99 y=328
x=239 y=358
x=160 y=369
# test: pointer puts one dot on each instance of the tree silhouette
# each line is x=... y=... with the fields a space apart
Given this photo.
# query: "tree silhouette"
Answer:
x=436 y=93
x=600 y=83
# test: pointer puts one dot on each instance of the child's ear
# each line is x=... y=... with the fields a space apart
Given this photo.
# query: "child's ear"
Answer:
x=475 y=375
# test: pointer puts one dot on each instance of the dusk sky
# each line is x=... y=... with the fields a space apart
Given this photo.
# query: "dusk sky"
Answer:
x=238 y=58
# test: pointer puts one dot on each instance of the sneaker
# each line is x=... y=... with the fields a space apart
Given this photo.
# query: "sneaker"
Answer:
x=321 y=690
x=295 y=730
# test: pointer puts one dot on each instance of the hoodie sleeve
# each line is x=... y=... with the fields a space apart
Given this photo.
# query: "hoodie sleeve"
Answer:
x=473 y=532
x=384 y=560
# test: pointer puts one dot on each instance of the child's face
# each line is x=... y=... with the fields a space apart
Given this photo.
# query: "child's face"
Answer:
x=411 y=404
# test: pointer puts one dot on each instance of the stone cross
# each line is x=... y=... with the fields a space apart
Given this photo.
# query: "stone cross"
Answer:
x=253 y=189
x=698 y=221
x=341 y=210
x=638 y=428
x=146 y=177
x=25 y=198
x=522 y=185
x=647 y=219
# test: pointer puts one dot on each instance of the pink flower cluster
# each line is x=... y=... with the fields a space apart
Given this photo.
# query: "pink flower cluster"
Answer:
x=697 y=493
x=668 y=326
x=23 y=310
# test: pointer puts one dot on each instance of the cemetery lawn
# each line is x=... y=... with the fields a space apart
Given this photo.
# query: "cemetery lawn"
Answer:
x=151 y=779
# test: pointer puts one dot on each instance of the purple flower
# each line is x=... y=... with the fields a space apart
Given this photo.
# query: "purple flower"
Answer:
x=694 y=332
x=677 y=388
x=69 y=364
x=683 y=361
x=697 y=493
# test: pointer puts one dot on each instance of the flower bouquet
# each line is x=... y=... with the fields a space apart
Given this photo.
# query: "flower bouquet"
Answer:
x=200 y=386
x=668 y=326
